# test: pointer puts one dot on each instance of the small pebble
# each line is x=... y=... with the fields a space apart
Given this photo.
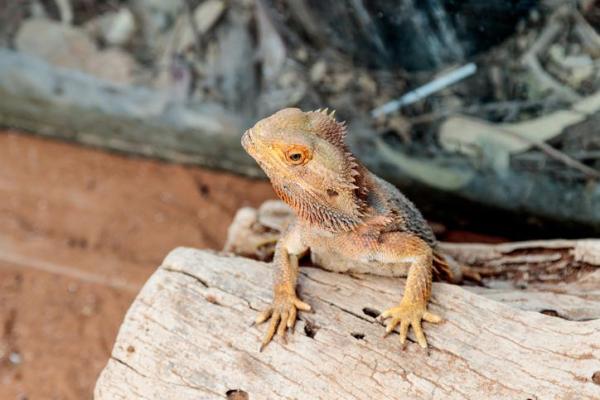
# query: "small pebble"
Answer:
x=15 y=358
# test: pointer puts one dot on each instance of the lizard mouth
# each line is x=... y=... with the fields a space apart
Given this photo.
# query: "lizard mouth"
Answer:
x=247 y=142
x=251 y=148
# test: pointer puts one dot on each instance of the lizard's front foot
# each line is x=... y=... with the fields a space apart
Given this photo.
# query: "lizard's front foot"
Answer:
x=283 y=313
x=406 y=314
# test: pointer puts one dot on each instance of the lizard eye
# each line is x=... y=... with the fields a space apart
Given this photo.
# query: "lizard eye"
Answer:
x=296 y=155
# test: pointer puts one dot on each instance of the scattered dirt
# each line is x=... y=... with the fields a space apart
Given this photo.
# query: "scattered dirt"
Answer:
x=80 y=232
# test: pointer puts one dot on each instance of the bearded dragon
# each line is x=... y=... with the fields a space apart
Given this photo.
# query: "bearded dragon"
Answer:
x=350 y=219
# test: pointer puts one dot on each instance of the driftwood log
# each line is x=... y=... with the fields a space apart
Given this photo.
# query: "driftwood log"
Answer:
x=72 y=105
x=188 y=335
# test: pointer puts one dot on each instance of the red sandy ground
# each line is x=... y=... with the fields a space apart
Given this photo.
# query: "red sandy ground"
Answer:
x=80 y=232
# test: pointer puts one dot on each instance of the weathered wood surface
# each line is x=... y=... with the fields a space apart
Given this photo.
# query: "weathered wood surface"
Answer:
x=559 y=277
x=188 y=336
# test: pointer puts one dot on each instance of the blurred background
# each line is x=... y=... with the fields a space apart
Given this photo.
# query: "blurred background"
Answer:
x=120 y=124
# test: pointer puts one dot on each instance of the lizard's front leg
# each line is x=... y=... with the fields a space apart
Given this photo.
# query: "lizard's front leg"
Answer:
x=413 y=306
x=283 y=310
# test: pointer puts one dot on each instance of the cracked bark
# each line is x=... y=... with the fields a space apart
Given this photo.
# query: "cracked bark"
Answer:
x=188 y=336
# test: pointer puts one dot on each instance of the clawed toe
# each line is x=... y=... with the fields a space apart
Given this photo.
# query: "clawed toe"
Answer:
x=283 y=314
x=407 y=315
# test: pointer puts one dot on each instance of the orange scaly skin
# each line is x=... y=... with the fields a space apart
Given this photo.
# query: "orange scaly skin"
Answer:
x=349 y=219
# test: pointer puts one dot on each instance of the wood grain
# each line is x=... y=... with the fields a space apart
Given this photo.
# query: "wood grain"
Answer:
x=188 y=336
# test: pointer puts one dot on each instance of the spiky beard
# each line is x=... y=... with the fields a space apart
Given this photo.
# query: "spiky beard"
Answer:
x=311 y=207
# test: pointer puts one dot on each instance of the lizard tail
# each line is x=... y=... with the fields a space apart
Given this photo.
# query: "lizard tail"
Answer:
x=446 y=268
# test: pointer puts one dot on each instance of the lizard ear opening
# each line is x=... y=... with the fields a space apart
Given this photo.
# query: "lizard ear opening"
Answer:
x=297 y=155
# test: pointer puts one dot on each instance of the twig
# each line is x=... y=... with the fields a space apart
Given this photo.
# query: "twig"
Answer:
x=195 y=30
x=65 y=10
x=367 y=26
x=423 y=91
x=549 y=151
x=586 y=155
x=586 y=32
x=552 y=29
x=477 y=108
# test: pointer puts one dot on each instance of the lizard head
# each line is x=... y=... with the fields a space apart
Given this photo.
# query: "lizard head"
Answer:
x=309 y=165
